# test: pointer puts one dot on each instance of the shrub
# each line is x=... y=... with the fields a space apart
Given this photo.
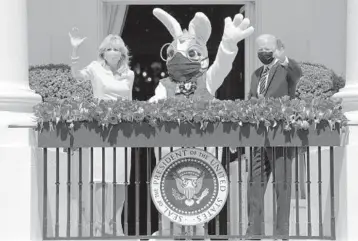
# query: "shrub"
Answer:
x=56 y=81
x=318 y=81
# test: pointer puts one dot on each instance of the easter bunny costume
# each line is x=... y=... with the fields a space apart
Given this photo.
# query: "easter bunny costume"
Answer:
x=188 y=67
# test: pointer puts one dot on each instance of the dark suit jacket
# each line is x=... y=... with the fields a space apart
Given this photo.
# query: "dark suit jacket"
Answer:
x=282 y=80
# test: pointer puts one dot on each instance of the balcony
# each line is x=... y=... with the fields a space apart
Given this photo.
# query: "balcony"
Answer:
x=73 y=204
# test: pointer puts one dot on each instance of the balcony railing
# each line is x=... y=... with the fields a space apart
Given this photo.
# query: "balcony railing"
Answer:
x=76 y=207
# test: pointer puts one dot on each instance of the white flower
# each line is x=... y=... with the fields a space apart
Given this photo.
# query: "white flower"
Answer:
x=140 y=110
x=187 y=85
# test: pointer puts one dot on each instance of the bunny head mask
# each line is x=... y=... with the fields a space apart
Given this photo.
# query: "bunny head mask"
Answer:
x=187 y=55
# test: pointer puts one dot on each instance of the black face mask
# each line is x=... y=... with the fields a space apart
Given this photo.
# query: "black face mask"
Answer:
x=265 y=57
x=181 y=69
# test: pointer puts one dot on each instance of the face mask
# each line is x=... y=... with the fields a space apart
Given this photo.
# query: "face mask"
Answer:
x=112 y=56
x=181 y=69
x=265 y=57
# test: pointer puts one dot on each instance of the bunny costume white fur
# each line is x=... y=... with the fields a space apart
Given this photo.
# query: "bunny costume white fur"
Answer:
x=191 y=44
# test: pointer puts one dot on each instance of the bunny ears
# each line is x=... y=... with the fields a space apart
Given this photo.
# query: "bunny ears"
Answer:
x=199 y=26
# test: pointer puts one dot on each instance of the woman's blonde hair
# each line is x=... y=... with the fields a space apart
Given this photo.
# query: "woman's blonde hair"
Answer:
x=114 y=41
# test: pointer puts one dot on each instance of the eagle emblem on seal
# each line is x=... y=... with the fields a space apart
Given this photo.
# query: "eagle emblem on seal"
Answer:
x=189 y=182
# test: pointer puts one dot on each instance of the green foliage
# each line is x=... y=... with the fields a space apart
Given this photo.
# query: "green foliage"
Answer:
x=55 y=81
x=318 y=81
x=296 y=113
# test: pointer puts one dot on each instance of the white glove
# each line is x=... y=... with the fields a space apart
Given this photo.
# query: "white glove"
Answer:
x=236 y=30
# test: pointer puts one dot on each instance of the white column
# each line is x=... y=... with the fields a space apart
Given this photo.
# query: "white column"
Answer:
x=17 y=152
x=348 y=194
x=15 y=94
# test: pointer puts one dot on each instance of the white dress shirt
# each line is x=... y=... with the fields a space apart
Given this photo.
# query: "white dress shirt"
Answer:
x=106 y=84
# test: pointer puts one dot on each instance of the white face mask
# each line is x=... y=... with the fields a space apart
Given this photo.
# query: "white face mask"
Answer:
x=112 y=55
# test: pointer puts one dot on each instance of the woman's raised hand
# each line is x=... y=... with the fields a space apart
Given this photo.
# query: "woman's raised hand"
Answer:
x=76 y=40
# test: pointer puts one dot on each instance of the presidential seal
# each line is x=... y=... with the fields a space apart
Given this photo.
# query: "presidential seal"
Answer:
x=189 y=186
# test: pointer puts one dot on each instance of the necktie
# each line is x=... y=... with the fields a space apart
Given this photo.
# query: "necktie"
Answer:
x=263 y=80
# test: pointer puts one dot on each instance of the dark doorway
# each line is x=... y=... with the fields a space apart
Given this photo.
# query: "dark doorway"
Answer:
x=145 y=35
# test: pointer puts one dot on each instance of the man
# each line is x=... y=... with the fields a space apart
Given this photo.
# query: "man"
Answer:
x=277 y=77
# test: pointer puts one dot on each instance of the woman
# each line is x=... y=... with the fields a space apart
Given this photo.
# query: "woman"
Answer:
x=111 y=78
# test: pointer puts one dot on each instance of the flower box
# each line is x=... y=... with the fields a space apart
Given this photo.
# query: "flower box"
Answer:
x=142 y=134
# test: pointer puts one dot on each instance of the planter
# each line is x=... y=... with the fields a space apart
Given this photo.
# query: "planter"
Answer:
x=89 y=134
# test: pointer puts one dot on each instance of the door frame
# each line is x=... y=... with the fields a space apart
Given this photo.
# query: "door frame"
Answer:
x=252 y=11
